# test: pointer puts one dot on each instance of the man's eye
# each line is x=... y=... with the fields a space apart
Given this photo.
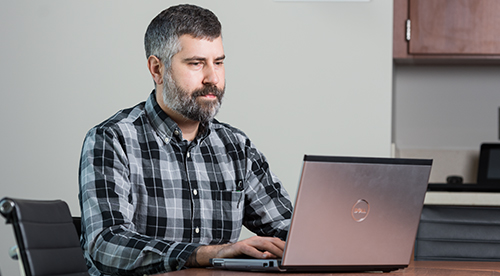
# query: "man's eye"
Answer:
x=194 y=63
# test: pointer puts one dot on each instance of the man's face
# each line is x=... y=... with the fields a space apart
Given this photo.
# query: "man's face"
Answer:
x=195 y=85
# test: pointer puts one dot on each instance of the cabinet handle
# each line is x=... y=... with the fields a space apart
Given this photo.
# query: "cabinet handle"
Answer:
x=408 y=29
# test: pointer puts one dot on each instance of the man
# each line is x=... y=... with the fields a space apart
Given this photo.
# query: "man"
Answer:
x=163 y=185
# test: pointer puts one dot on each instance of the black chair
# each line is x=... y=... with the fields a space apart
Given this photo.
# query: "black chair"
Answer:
x=46 y=237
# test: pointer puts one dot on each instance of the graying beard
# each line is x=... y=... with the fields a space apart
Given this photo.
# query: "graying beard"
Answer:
x=174 y=98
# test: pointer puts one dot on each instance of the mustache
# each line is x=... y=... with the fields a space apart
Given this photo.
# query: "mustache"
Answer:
x=209 y=89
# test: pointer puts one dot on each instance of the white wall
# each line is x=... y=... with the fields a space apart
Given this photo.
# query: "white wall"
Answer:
x=446 y=107
x=302 y=77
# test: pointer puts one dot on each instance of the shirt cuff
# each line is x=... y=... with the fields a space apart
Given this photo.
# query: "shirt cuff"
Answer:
x=179 y=255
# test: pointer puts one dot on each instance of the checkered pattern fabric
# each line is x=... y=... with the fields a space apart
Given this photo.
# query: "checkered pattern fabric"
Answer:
x=149 y=198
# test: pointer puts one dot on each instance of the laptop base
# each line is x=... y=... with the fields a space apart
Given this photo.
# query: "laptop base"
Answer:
x=247 y=264
x=274 y=265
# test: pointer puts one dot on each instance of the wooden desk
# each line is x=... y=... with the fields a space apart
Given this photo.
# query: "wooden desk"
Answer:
x=417 y=268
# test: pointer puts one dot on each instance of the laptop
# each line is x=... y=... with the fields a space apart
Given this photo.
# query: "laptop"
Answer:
x=350 y=214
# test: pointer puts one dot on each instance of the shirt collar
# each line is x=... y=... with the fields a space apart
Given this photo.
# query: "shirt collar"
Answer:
x=167 y=128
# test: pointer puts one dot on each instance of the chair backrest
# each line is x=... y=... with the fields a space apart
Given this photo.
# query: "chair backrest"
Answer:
x=46 y=237
x=77 y=222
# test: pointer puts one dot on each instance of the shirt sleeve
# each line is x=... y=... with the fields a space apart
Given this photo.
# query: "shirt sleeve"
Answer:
x=109 y=239
x=268 y=209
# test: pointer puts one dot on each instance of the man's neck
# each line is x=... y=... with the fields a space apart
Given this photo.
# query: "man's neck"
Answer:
x=188 y=127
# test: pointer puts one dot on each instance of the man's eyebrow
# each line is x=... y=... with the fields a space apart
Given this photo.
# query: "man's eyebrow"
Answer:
x=196 y=58
x=221 y=57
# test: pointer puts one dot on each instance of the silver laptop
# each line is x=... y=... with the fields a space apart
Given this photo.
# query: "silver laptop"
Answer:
x=351 y=214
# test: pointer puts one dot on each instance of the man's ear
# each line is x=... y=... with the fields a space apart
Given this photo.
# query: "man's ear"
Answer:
x=156 y=69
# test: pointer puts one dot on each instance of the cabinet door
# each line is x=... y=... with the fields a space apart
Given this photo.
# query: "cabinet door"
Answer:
x=455 y=27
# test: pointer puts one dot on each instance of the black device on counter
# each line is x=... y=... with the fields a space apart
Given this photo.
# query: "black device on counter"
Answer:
x=454 y=179
x=488 y=171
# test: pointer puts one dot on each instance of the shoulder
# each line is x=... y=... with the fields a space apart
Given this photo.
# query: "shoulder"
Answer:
x=227 y=131
x=124 y=116
x=123 y=120
x=233 y=140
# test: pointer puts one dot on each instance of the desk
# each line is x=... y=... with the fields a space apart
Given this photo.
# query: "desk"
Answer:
x=416 y=268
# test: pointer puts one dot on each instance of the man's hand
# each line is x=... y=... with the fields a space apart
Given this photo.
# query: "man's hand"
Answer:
x=256 y=247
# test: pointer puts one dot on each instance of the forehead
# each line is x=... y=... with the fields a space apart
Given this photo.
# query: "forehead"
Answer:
x=191 y=46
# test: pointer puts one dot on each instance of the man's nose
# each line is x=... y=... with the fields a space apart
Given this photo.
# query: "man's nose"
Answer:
x=211 y=75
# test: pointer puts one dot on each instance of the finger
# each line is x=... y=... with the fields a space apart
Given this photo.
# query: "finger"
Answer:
x=274 y=246
x=279 y=243
x=270 y=255
x=255 y=253
x=243 y=248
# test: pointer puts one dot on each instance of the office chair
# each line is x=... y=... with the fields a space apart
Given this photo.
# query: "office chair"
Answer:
x=46 y=237
x=458 y=233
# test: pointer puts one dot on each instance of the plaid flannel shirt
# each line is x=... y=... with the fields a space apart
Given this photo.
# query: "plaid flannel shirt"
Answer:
x=148 y=198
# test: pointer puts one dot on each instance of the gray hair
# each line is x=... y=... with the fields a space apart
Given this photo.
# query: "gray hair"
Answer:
x=162 y=36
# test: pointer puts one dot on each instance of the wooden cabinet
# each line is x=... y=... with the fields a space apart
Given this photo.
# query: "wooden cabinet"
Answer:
x=447 y=31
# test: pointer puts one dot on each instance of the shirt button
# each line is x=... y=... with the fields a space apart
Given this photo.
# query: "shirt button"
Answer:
x=195 y=192
x=188 y=155
x=167 y=140
x=197 y=230
x=176 y=132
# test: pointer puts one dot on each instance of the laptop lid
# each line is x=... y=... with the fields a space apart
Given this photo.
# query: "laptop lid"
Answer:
x=351 y=214
x=354 y=213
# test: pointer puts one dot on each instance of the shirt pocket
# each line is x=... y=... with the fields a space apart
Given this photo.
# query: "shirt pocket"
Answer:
x=228 y=215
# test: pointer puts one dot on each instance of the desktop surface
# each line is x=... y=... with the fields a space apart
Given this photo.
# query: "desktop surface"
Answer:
x=416 y=268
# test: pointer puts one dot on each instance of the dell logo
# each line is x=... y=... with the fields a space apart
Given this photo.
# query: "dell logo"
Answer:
x=360 y=210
